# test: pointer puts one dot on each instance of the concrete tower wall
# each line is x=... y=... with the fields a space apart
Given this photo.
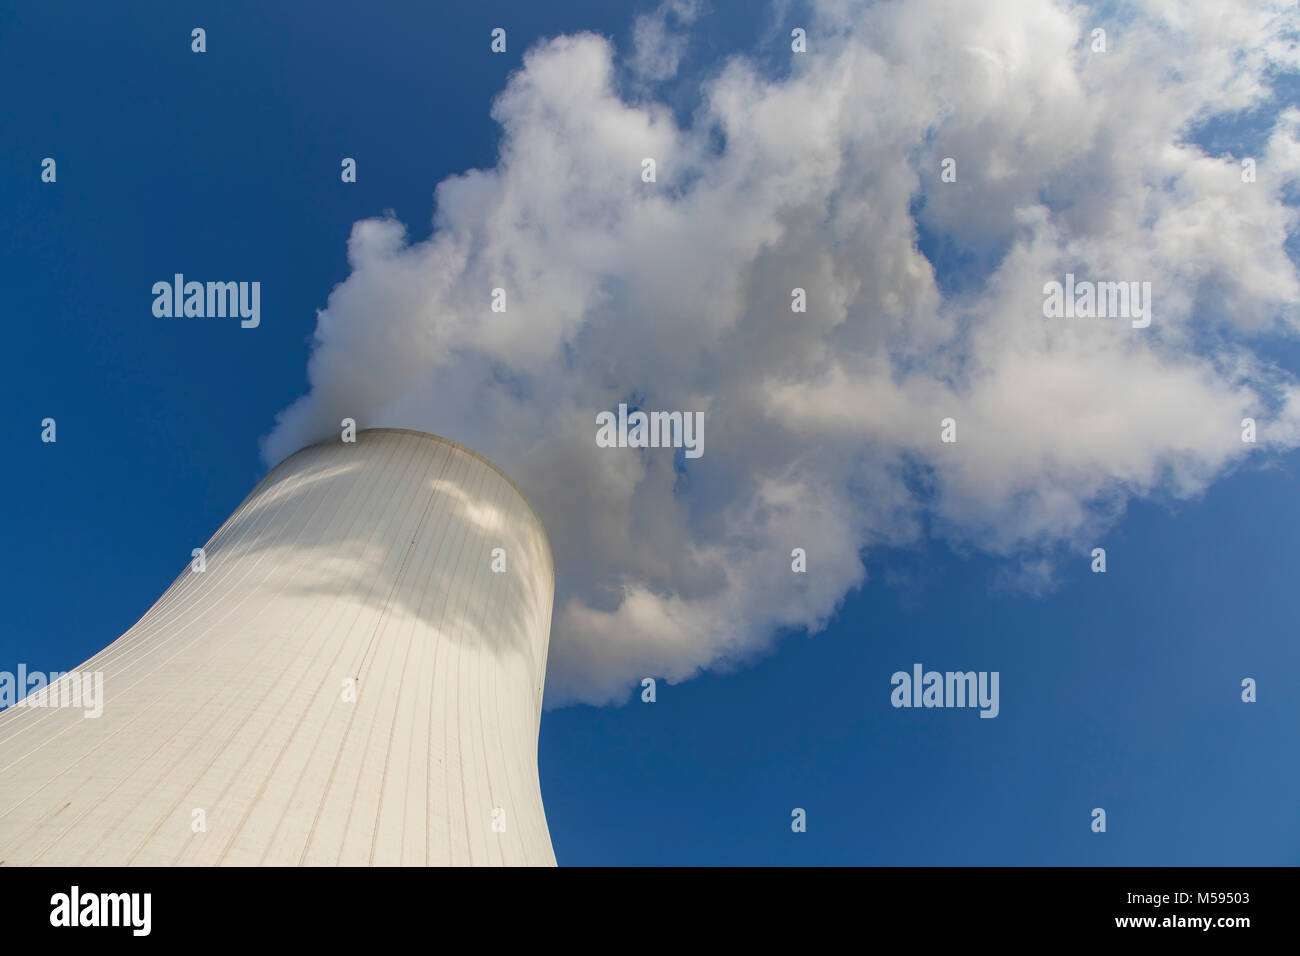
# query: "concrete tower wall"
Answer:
x=369 y=561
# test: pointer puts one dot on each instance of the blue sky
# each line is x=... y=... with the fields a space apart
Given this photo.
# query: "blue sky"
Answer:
x=1118 y=690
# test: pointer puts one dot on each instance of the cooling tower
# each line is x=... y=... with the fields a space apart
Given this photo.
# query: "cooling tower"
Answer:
x=354 y=677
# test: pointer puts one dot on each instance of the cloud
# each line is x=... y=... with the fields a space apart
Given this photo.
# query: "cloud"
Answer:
x=657 y=50
x=823 y=427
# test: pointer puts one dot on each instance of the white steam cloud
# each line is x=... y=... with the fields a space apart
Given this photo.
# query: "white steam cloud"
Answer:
x=822 y=428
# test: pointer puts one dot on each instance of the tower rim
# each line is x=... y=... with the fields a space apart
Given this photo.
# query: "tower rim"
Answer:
x=456 y=445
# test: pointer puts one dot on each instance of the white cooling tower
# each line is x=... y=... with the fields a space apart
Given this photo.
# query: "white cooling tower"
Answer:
x=349 y=681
